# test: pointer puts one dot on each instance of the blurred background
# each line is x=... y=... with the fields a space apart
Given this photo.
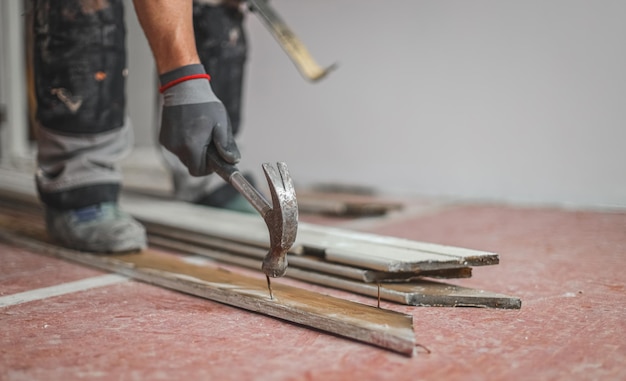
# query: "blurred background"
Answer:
x=500 y=101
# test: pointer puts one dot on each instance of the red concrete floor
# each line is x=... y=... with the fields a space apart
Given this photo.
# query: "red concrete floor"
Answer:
x=567 y=266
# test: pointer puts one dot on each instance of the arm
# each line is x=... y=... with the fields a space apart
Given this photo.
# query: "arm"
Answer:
x=168 y=26
x=192 y=117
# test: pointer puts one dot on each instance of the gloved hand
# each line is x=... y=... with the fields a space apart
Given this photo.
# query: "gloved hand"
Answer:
x=193 y=118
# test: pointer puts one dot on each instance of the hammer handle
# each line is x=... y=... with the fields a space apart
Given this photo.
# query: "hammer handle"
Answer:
x=230 y=173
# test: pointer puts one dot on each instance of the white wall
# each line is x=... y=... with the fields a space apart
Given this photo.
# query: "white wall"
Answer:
x=141 y=84
x=515 y=101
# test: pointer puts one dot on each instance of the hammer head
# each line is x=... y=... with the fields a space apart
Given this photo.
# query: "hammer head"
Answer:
x=281 y=219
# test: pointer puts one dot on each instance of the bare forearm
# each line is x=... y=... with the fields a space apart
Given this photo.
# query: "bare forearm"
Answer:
x=168 y=26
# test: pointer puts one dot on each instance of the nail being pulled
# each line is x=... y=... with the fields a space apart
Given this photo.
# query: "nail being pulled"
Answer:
x=269 y=287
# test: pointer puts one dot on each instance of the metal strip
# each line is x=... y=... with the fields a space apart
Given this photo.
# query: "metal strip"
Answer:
x=61 y=289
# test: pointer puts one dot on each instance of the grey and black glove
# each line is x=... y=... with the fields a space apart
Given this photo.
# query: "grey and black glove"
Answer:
x=193 y=118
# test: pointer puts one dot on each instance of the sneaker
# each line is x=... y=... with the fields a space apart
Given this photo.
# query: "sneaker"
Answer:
x=100 y=228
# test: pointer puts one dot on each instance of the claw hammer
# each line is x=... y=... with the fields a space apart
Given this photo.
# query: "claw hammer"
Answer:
x=281 y=217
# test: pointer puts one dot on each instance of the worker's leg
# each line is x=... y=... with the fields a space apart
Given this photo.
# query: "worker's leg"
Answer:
x=222 y=48
x=80 y=73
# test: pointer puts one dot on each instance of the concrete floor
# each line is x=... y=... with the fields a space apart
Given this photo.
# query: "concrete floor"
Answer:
x=567 y=267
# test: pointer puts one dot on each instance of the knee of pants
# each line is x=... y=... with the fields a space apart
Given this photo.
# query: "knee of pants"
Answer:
x=77 y=170
x=79 y=65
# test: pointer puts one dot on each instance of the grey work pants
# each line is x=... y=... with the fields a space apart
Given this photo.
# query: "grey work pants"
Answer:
x=80 y=77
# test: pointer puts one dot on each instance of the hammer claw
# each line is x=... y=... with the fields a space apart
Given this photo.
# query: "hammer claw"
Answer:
x=281 y=217
x=281 y=186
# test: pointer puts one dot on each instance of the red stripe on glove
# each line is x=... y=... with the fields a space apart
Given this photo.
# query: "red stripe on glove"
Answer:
x=183 y=79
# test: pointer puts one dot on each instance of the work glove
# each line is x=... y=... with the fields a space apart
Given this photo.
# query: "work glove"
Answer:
x=194 y=118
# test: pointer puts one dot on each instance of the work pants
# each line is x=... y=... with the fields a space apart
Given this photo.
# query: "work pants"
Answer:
x=80 y=71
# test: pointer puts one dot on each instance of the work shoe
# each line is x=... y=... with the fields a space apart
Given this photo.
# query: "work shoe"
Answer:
x=100 y=228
